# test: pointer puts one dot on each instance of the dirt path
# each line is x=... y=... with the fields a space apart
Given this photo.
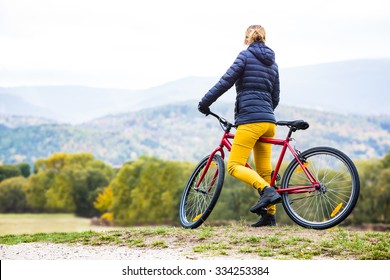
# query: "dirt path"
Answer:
x=50 y=251
x=225 y=242
x=171 y=245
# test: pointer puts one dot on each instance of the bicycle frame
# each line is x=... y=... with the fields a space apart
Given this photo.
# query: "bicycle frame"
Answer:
x=319 y=188
x=285 y=143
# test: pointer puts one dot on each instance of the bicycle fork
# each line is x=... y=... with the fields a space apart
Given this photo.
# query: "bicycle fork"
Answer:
x=206 y=168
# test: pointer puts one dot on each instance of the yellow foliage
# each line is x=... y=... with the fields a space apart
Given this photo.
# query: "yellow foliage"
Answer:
x=104 y=200
x=59 y=160
x=107 y=217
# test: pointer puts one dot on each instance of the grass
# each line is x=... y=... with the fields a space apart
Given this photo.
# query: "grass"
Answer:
x=232 y=241
x=34 y=223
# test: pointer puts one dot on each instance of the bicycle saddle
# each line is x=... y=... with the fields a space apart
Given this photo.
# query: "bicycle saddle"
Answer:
x=296 y=125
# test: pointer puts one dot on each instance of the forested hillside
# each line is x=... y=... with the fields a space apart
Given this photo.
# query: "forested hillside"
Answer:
x=180 y=132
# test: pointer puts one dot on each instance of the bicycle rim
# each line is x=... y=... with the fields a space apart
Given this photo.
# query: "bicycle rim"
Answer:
x=197 y=203
x=333 y=201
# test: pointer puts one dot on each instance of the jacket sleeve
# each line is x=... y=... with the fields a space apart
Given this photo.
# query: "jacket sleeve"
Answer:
x=276 y=92
x=226 y=81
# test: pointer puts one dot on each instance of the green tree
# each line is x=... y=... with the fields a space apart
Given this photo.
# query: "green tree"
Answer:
x=36 y=188
x=12 y=197
x=9 y=171
x=122 y=185
x=148 y=191
x=373 y=204
x=24 y=169
x=87 y=184
x=68 y=183
x=386 y=160
x=383 y=196
x=60 y=196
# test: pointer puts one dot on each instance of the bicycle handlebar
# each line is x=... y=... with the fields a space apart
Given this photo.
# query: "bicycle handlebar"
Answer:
x=225 y=124
x=293 y=125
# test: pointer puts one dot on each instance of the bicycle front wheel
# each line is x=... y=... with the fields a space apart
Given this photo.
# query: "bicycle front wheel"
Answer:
x=200 y=197
x=336 y=197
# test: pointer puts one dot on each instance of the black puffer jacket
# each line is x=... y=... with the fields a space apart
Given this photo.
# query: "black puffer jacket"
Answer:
x=256 y=76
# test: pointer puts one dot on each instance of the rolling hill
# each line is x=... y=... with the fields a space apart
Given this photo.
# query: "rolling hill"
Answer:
x=348 y=87
x=179 y=132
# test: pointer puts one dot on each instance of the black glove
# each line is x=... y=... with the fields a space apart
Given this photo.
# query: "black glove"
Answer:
x=203 y=109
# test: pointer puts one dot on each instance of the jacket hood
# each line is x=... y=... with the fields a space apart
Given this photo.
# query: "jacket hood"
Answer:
x=262 y=53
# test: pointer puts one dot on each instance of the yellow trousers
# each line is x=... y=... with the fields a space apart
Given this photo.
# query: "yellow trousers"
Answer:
x=244 y=142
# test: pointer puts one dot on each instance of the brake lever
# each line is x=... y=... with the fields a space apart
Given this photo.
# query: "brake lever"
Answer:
x=223 y=121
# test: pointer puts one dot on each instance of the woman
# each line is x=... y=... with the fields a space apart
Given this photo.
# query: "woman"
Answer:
x=256 y=77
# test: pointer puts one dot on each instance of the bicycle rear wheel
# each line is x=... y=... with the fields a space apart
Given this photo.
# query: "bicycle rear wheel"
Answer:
x=197 y=202
x=339 y=189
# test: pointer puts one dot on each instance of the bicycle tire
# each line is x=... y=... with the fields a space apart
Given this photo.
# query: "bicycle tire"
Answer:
x=196 y=205
x=334 y=200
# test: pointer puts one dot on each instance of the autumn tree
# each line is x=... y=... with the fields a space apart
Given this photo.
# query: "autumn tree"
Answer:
x=12 y=197
x=148 y=191
x=9 y=171
x=68 y=183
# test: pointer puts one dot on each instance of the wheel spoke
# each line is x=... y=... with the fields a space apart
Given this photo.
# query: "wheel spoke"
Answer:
x=333 y=200
x=199 y=197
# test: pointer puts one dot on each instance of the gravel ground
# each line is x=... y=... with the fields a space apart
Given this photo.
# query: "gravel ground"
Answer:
x=51 y=251
x=223 y=243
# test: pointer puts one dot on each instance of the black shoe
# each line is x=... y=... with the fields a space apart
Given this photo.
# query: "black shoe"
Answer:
x=268 y=196
x=261 y=211
x=265 y=220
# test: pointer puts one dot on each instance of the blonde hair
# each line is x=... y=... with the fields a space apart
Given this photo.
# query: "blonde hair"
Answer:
x=254 y=33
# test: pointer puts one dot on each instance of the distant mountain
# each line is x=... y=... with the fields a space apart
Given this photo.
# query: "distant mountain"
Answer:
x=12 y=121
x=68 y=104
x=356 y=87
x=179 y=132
x=13 y=105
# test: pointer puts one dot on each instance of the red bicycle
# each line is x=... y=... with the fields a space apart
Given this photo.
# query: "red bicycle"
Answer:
x=319 y=188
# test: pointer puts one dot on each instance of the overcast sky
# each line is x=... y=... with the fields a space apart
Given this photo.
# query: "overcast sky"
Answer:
x=141 y=44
